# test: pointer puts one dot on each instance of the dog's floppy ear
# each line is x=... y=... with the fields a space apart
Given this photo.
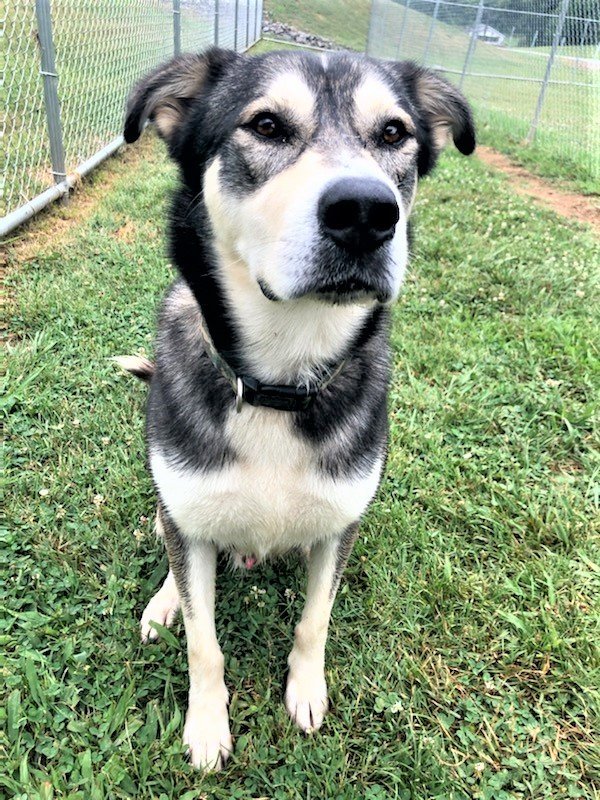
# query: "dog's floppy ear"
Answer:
x=447 y=111
x=443 y=109
x=166 y=94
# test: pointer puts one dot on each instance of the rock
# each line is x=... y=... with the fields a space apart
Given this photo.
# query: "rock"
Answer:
x=281 y=30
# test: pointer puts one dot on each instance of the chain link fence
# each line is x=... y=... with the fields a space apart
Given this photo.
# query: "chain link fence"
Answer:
x=68 y=67
x=530 y=68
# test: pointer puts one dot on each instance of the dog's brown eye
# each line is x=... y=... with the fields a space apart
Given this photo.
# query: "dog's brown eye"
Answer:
x=267 y=125
x=393 y=132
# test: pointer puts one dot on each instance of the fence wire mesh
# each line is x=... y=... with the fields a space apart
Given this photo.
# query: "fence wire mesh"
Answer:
x=26 y=150
x=531 y=68
x=68 y=67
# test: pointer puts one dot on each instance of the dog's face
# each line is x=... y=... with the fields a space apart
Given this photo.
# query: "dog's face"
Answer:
x=307 y=165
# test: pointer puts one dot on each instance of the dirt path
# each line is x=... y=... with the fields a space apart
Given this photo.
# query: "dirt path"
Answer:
x=569 y=204
x=58 y=222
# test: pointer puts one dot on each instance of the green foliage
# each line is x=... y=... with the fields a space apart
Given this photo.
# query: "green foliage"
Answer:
x=463 y=659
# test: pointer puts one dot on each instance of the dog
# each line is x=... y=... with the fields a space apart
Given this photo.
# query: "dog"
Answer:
x=266 y=419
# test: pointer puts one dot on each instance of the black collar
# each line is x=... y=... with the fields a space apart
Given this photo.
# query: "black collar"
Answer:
x=250 y=390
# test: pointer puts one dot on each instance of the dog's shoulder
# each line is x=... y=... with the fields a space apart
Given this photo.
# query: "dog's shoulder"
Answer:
x=348 y=421
x=188 y=401
x=179 y=313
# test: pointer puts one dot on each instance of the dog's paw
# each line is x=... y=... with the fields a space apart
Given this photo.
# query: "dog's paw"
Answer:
x=162 y=608
x=306 y=698
x=207 y=737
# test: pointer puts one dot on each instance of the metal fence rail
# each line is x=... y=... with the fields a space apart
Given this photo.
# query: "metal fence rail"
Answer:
x=531 y=70
x=68 y=66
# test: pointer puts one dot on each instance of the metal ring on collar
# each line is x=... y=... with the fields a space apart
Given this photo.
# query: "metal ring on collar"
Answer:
x=239 y=398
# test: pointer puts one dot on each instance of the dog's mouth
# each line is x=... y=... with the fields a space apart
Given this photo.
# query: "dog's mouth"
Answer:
x=267 y=291
x=342 y=292
x=350 y=290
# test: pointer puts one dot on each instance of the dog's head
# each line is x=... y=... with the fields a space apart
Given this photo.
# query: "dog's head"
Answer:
x=306 y=164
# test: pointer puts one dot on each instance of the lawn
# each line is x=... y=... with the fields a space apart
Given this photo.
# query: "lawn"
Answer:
x=463 y=659
x=567 y=145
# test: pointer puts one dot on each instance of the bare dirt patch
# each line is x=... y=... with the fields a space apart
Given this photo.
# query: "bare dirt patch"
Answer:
x=59 y=221
x=568 y=204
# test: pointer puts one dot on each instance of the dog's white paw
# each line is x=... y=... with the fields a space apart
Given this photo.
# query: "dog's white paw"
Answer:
x=207 y=736
x=162 y=608
x=306 y=698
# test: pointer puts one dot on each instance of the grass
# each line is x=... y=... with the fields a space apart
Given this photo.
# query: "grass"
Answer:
x=571 y=50
x=342 y=21
x=567 y=145
x=463 y=659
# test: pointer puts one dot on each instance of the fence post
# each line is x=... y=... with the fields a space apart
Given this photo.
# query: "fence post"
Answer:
x=402 y=28
x=368 y=46
x=247 y=24
x=255 y=20
x=431 y=29
x=557 y=37
x=472 y=42
x=51 y=103
x=177 y=27
x=216 y=34
x=586 y=28
x=235 y=25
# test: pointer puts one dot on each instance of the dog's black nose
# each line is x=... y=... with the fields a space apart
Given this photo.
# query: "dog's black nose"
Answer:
x=359 y=214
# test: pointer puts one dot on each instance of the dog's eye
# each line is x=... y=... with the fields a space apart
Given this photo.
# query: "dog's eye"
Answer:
x=393 y=132
x=267 y=125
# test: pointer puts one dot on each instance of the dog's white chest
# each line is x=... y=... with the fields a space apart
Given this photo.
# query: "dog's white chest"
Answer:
x=273 y=498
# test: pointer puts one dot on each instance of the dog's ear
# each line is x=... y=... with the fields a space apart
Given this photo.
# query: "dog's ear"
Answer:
x=443 y=109
x=166 y=94
x=447 y=111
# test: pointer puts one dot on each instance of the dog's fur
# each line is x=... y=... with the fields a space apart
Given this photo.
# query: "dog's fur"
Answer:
x=286 y=303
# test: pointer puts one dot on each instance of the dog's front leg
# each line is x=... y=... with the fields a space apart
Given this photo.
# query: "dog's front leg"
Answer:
x=306 y=693
x=206 y=731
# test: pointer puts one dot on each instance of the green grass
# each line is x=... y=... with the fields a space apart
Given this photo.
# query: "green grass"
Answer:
x=342 y=21
x=567 y=145
x=463 y=658
x=572 y=50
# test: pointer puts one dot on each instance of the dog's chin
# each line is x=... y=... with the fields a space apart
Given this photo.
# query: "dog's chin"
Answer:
x=348 y=297
x=343 y=294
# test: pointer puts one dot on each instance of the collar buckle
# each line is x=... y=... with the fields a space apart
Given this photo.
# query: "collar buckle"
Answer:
x=252 y=391
x=239 y=394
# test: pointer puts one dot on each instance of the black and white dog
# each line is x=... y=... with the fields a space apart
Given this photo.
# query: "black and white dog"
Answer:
x=267 y=410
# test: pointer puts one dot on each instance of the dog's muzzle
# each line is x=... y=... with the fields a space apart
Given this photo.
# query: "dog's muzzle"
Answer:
x=352 y=258
x=356 y=218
